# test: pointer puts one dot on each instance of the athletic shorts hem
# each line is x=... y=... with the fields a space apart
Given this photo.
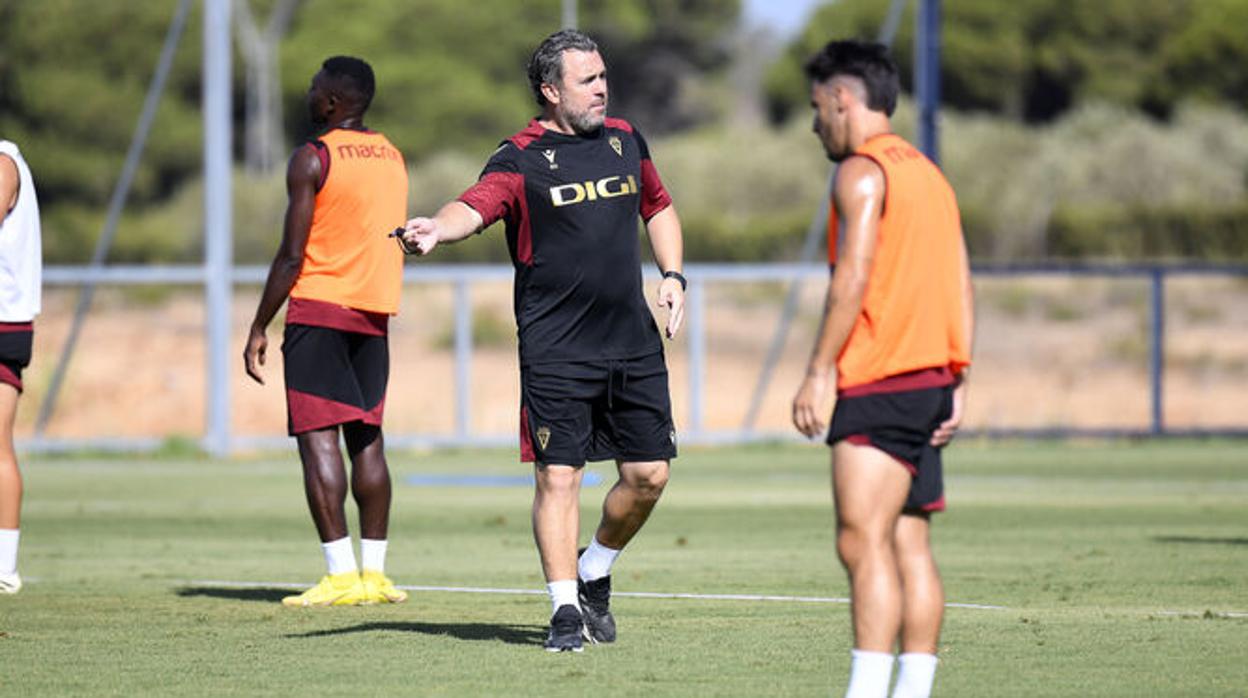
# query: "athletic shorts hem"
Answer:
x=598 y=458
x=313 y=426
x=9 y=376
x=865 y=440
x=307 y=412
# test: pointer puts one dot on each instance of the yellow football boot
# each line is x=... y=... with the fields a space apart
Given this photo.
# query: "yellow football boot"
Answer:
x=344 y=589
x=379 y=589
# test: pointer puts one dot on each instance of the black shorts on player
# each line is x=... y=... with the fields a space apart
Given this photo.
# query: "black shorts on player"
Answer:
x=16 y=341
x=573 y=412
x=900 y=424
x=333 y=377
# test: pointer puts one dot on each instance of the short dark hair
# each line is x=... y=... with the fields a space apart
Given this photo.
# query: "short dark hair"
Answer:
x=354 y=76
x=546 y=63
x=866 y=60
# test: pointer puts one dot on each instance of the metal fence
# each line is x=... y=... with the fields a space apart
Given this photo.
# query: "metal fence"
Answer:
x=697 y=351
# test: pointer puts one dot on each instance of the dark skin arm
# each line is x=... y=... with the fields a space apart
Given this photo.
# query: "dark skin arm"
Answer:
x=859 y=198
x=302 y=174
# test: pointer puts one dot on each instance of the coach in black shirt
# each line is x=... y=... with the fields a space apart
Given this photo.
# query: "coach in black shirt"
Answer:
x=570 y=187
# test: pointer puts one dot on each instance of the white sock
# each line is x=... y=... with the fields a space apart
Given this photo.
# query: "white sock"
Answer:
x=869 y=674
x=339 y=557
x=8 y=550
x=915 y=674
x=562 y=593
x=373 y=554
x=596 y=561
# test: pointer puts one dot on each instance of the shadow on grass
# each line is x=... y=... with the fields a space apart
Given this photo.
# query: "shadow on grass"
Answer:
x=1204 y=540
x=509 y=634
x=264 y=594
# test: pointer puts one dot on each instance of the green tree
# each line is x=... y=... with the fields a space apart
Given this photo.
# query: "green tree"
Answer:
x=451 y=76
x=659 y=52
x=1033 y=59
x=1208 y=57
x=72 y=84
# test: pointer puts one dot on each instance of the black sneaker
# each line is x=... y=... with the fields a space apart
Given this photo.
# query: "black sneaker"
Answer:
x=595 y=599
x=565 y=630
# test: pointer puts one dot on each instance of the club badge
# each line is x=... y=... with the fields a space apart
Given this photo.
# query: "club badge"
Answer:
x=616 y=145
x=543 y=436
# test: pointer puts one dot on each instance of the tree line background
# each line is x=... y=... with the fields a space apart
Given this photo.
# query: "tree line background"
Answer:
x=1112 y=129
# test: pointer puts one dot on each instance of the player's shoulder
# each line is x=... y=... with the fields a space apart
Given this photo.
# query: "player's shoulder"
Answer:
x=858 y=175
x=617 y=124
x=523 y=138
x=9 y=151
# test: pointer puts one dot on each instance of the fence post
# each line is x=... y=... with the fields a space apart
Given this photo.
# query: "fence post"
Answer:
x=218 y=221
x=695 y=305
x=463 y=359
x=1157 y=353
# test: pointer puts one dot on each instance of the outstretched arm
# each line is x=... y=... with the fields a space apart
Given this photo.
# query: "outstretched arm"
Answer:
x=302 y=175
x=667 y=242
x=452 y=223
x=859 y=198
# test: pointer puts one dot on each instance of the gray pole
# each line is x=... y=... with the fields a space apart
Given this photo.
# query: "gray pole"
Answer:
x=1157 y=352
x=569 y=14
x=927 y=76
x=218 y=215
x=695 y=312
x=463 y=360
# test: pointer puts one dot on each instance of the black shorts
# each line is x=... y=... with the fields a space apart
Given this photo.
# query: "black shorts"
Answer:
x=333 y=377
x=16 y=341
x=901 y=425
x=575 y=412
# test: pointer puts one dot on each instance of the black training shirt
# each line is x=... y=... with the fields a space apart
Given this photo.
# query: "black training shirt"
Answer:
x=571 y=204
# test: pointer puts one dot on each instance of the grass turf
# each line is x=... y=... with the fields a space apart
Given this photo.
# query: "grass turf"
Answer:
x=1121 y=568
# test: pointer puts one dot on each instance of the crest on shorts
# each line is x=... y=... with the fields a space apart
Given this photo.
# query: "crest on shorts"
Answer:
x=543 y=436
x=616 y=145
x=672 y=435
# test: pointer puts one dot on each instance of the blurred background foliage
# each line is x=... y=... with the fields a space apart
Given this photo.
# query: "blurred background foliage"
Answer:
x=1112 y=129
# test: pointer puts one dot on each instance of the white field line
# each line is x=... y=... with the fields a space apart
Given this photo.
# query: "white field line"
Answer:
x=1202 y=614
x=624 y=594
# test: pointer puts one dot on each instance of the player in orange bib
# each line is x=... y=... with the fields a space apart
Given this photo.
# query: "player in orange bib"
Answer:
x=348 y=190
x=897 y=326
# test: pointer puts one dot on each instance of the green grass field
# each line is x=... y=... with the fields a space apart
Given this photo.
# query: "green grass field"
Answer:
x=1122 y=570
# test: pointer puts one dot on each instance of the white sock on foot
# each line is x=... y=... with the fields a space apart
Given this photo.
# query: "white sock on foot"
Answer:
x=562 y=593
x=915 y=673
x=8 y=550
x=339 y=557
x=596 y=561
x=869 y=674
x=373 y=554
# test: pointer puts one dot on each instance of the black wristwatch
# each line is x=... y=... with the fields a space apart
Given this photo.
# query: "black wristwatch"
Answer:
x=678 y=276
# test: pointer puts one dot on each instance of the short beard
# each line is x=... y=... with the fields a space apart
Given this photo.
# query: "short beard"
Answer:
x=585 y=122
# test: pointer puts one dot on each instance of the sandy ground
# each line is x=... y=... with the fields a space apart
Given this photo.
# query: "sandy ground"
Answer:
x=1050 y=352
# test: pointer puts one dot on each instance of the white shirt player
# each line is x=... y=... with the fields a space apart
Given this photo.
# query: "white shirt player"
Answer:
x=21 y=256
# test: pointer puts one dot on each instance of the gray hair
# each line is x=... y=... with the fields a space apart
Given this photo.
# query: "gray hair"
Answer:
x=546 y=64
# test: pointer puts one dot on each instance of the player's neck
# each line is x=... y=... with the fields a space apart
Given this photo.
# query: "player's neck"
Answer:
x=553 y=123
x=871 y=125
x=350 y=123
